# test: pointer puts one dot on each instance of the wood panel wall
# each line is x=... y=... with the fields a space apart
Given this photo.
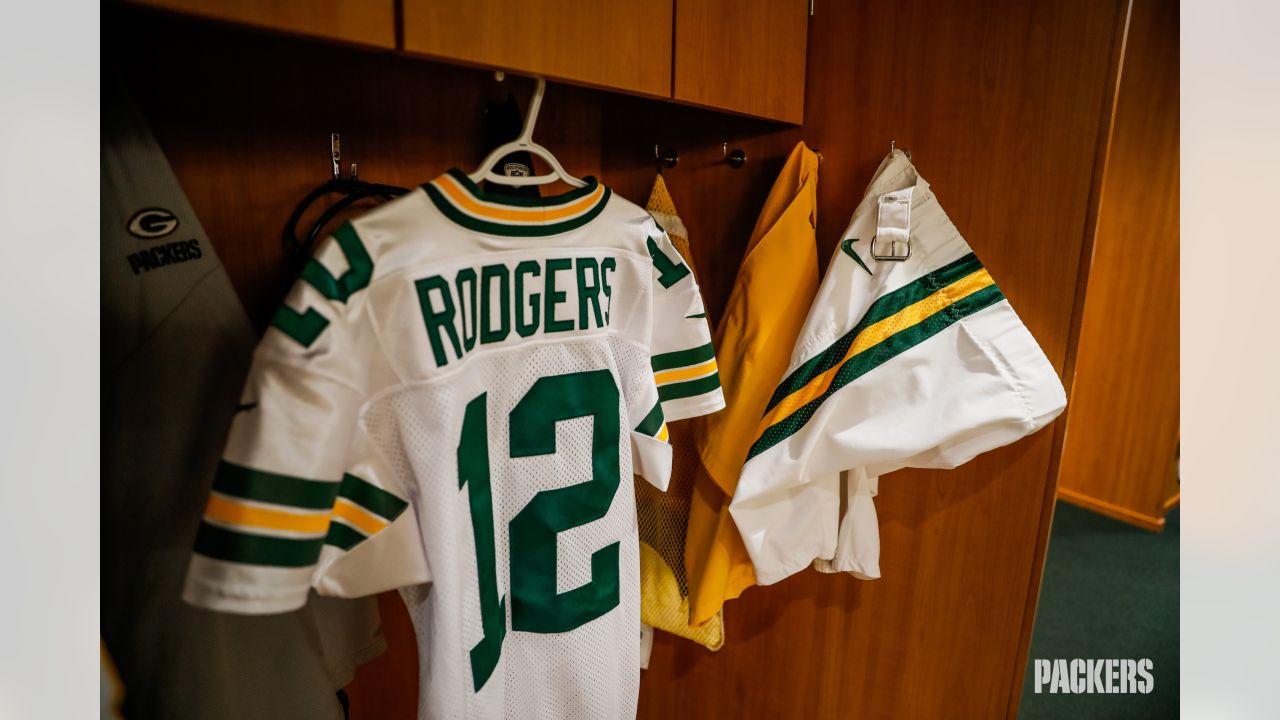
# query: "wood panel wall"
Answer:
x=1122 y=434
x=1003 y=105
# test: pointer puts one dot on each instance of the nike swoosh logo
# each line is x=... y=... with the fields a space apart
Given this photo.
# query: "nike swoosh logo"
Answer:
x=847 y=247
x=245 y=407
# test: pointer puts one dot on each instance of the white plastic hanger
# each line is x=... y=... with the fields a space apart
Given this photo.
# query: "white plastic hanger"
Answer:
x=525 y=142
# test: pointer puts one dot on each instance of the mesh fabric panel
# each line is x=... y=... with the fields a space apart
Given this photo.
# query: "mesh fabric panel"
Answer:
x=664 y=517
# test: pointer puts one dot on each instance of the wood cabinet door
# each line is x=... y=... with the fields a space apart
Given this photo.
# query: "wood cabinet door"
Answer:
x=745 y=56
x=362 y=22
x=621 y=44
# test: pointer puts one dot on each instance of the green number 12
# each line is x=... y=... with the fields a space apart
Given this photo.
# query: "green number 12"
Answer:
x=535 y=604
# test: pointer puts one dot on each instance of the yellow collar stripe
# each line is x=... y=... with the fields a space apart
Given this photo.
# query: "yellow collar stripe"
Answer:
x=463 y=200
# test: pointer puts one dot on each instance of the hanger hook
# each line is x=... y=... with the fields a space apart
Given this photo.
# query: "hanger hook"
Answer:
x=531 y=117
x=667 y=158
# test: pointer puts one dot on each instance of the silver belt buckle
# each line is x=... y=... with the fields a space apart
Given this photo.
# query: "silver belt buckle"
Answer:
x=898 y=251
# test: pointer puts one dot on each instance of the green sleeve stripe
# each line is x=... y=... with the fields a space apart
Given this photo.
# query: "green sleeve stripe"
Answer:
x=670 y=271
x=371 y=498
x=304 y=327
x=872 y=358
x=343 y=536
x=249 y=484
x=357 y=276
x=652 y=422
x=886 y=306
x=222 y=544
x=675 y=391
x=682 y=358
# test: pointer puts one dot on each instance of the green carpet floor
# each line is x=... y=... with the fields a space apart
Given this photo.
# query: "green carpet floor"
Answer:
x=1110 y=591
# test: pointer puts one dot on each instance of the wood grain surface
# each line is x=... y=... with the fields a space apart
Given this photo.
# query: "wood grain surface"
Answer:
x=624 y=44
x=1122 y=431
x=362 y=22
x=1000 y=102
x=745 y=56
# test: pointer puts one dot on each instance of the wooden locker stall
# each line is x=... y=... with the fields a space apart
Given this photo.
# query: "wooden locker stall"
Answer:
x=1005 y=106
x=1120 y=455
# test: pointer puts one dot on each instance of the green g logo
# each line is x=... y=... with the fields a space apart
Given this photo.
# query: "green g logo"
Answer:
x=152 y=223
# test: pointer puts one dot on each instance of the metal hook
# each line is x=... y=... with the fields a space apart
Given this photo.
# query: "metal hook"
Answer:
x=335 y=155
x=736 y=157
x=667 y=159
x=893 y=146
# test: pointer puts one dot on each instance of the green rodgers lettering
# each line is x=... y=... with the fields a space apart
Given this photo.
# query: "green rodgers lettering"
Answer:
x=536 y=605
x=473 y=307
x=306 y=326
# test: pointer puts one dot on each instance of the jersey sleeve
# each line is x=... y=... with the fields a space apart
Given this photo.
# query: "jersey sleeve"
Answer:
x=683 y=380
x=296 y=491
x=921 y=363
x=680 y=350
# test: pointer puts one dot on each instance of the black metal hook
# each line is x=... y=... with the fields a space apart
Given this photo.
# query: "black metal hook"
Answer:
x=735 y=157
x=350 y=190
x=665 y=157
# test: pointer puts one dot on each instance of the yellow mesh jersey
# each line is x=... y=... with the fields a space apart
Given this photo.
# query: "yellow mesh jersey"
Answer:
x=771 y=297
x=664 y=517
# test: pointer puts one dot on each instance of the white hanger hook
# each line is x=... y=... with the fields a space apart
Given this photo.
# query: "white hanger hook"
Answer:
x=525 y=142
x=531 y=118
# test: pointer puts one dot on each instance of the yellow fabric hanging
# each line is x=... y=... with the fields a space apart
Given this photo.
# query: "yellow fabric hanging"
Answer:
x=663 y=517
x=771 y=297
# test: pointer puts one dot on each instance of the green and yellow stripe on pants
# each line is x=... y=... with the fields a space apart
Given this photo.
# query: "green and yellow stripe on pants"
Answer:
x=892 y=325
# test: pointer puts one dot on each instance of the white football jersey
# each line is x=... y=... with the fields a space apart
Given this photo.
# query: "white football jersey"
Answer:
x=920 y=363
x=452 y=400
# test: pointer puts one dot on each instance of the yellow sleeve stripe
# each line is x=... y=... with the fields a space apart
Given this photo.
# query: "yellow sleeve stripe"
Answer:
x=229 y=511
x=358 y=517
x=662 y=433
x=690 y=373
